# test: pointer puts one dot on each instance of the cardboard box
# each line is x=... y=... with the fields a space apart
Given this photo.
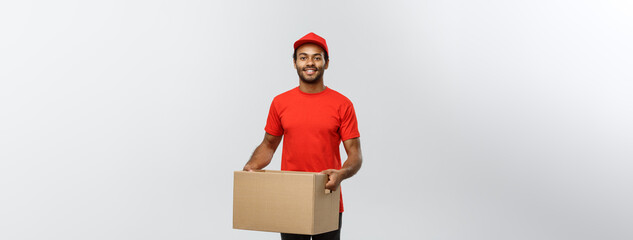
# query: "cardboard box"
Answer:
x=284 y=201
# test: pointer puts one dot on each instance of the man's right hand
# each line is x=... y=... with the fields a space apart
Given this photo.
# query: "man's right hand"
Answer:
x=247 y=168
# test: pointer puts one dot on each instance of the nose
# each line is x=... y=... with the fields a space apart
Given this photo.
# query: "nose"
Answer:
x=310 y=62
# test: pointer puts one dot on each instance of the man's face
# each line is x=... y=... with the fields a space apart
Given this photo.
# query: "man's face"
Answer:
x=310 y=63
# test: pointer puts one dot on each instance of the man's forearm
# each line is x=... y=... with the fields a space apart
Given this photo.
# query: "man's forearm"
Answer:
x=351 y=166
x=354 y=158
x=261 y=158
x=263 y=154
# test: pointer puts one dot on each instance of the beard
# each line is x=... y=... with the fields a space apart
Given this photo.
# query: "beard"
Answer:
x=316 y=77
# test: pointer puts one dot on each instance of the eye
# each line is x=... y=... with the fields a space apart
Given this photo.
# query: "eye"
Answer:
x=317 y=58
x=302 y=58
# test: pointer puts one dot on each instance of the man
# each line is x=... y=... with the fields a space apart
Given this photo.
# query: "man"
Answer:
x=313 y=121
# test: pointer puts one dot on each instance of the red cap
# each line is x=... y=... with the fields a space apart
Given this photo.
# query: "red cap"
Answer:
x=312 y=38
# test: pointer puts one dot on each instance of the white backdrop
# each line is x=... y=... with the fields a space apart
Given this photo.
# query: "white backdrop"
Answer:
x=478 y=119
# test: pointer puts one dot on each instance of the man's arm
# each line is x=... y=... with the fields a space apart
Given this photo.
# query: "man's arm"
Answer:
x=263 y=154
x=350 y=167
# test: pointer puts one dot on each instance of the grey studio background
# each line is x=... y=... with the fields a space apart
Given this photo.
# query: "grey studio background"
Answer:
x=478 y=119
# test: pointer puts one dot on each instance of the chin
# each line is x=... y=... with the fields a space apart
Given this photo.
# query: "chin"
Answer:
x=308 y=80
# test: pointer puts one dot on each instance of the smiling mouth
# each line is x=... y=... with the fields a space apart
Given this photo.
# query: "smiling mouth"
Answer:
x=310 y=71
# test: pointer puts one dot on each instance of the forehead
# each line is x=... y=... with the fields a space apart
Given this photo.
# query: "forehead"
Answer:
x=310 y=49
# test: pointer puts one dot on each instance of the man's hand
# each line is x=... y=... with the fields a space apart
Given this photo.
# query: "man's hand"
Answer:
x=247 y=168
x=334 y=178
x=350 y=167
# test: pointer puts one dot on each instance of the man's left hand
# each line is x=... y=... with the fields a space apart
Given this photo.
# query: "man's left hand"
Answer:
x=334 y=178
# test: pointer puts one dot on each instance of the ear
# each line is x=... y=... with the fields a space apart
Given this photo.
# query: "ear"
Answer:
x=294 y=63
x=326 y=64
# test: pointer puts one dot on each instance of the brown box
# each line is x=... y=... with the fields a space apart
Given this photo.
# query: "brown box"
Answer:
x=284 y=201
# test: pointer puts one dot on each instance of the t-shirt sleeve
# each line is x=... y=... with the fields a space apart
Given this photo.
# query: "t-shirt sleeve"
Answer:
x=349 y=125
x=273 y=123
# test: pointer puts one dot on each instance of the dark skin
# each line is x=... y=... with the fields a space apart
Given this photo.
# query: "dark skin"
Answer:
x=310 y=65
x=310 y=57
x=350 y=167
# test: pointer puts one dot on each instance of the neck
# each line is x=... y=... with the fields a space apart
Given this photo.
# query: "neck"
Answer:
x=315 y=87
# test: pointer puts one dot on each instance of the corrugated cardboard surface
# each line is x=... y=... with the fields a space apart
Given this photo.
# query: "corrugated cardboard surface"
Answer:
x=326 y=206
x=283 y=201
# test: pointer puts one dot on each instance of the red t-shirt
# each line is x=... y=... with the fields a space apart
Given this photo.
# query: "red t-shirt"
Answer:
x=313 y=126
